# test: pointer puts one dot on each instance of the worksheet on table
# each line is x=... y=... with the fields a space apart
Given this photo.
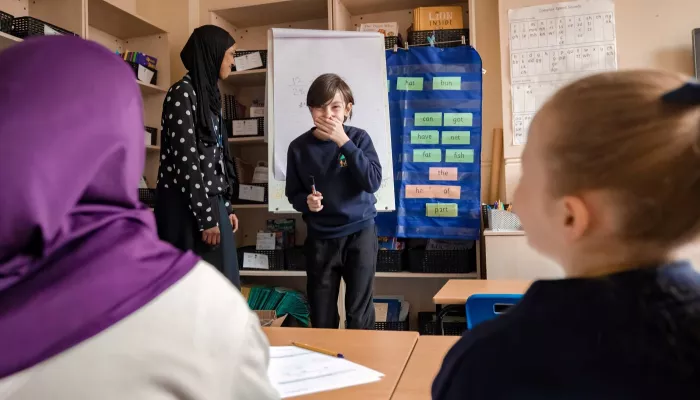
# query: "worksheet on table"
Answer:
x=552 y=45
x=295 y=371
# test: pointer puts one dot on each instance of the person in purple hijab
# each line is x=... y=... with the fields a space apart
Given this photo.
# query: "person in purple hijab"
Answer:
x=92 y=304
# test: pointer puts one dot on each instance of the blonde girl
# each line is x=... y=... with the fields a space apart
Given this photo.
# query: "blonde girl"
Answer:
x=610 y=189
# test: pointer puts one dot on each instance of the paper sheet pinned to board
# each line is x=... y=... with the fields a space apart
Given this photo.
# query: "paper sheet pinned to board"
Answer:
x=553 y=45
x=294 y=372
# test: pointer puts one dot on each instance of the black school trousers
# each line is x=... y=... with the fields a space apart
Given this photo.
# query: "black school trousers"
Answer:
x=353 y=258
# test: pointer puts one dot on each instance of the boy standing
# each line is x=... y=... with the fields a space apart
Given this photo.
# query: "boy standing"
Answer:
x=341 y=161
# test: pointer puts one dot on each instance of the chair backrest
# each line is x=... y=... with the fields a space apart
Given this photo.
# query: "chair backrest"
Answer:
x=483 y=307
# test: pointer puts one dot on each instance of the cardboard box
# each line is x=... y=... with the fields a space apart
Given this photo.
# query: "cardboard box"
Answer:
x=386 y=28
x=437 y=18
x=269 y=318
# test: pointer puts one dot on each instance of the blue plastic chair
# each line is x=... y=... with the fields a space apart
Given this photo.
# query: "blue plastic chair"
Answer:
x=483 y=307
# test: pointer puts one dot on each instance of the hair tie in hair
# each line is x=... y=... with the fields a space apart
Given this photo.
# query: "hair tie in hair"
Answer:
x=688 y=94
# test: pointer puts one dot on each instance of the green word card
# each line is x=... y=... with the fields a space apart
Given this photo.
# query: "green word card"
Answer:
x=427 y=155
x=425 y=137
x=455 y=137
x=447 y=83
x=459 y=119
x=441 y=210
x=459 y=156
x=409 y=83
x=427 y=119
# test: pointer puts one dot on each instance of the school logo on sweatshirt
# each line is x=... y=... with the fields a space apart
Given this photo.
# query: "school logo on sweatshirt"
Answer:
x=342 y=161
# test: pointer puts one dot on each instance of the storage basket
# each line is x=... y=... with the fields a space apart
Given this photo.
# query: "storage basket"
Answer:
x=6 y=22
x=295 y=259
x=23 y=27
x=428 y=325
x=154 y=135
x=238 y=200
x=392 y=326
x=389 y=260
x=390 y=42
x=275 y=258
x=263 y=57
x=148 y=197
x=442 y=261
x=389 y=326
x=135 y=67
x=453 y=36
x=259 y=120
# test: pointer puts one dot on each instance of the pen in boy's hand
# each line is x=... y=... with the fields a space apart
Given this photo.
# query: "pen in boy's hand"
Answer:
x=313 y=184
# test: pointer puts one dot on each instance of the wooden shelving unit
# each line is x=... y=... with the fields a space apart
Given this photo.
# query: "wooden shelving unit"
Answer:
x=247 y=141
x=285 y=11
x=253 y=77
x=7 y=40
x=111 y=24
x=67 y=14
x=406 y=275
x=250 y=206
x=147 y=89
x=120 y=30
x=349 y=14
x=115 y=21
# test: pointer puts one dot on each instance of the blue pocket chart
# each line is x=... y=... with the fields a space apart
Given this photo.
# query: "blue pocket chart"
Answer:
x=435 y=103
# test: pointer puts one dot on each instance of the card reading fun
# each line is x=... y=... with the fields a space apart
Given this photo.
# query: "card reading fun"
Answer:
x=427 y=155
x=448 y=210
x=459 y=119
x=425 y=137
x=459 y=156
x=456 y=137
x=447 y=83
x=428 y=119
x=443 y=174
x=432 y=192
x=409 y=83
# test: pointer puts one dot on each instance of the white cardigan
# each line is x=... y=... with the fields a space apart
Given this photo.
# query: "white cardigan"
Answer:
x=197 y=340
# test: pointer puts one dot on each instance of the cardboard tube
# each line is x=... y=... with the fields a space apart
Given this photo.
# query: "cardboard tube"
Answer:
x=496 y=162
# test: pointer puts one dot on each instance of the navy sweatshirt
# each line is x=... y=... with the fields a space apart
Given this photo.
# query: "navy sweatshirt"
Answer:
x=631 y=335
x=347 y=177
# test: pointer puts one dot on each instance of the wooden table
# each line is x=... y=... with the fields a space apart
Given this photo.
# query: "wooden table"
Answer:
x=424 y=364
x=383 y=351
x=456 y=291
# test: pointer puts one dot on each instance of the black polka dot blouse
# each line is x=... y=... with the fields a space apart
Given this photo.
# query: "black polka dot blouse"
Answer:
x=190 y=166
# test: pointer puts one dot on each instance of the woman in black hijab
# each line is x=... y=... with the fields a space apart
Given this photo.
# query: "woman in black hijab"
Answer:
x=193 y=196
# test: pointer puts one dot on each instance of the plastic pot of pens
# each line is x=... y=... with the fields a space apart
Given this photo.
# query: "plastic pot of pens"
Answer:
x=498 y=217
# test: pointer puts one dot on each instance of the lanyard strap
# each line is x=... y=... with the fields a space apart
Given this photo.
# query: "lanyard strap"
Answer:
x=216 y=122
